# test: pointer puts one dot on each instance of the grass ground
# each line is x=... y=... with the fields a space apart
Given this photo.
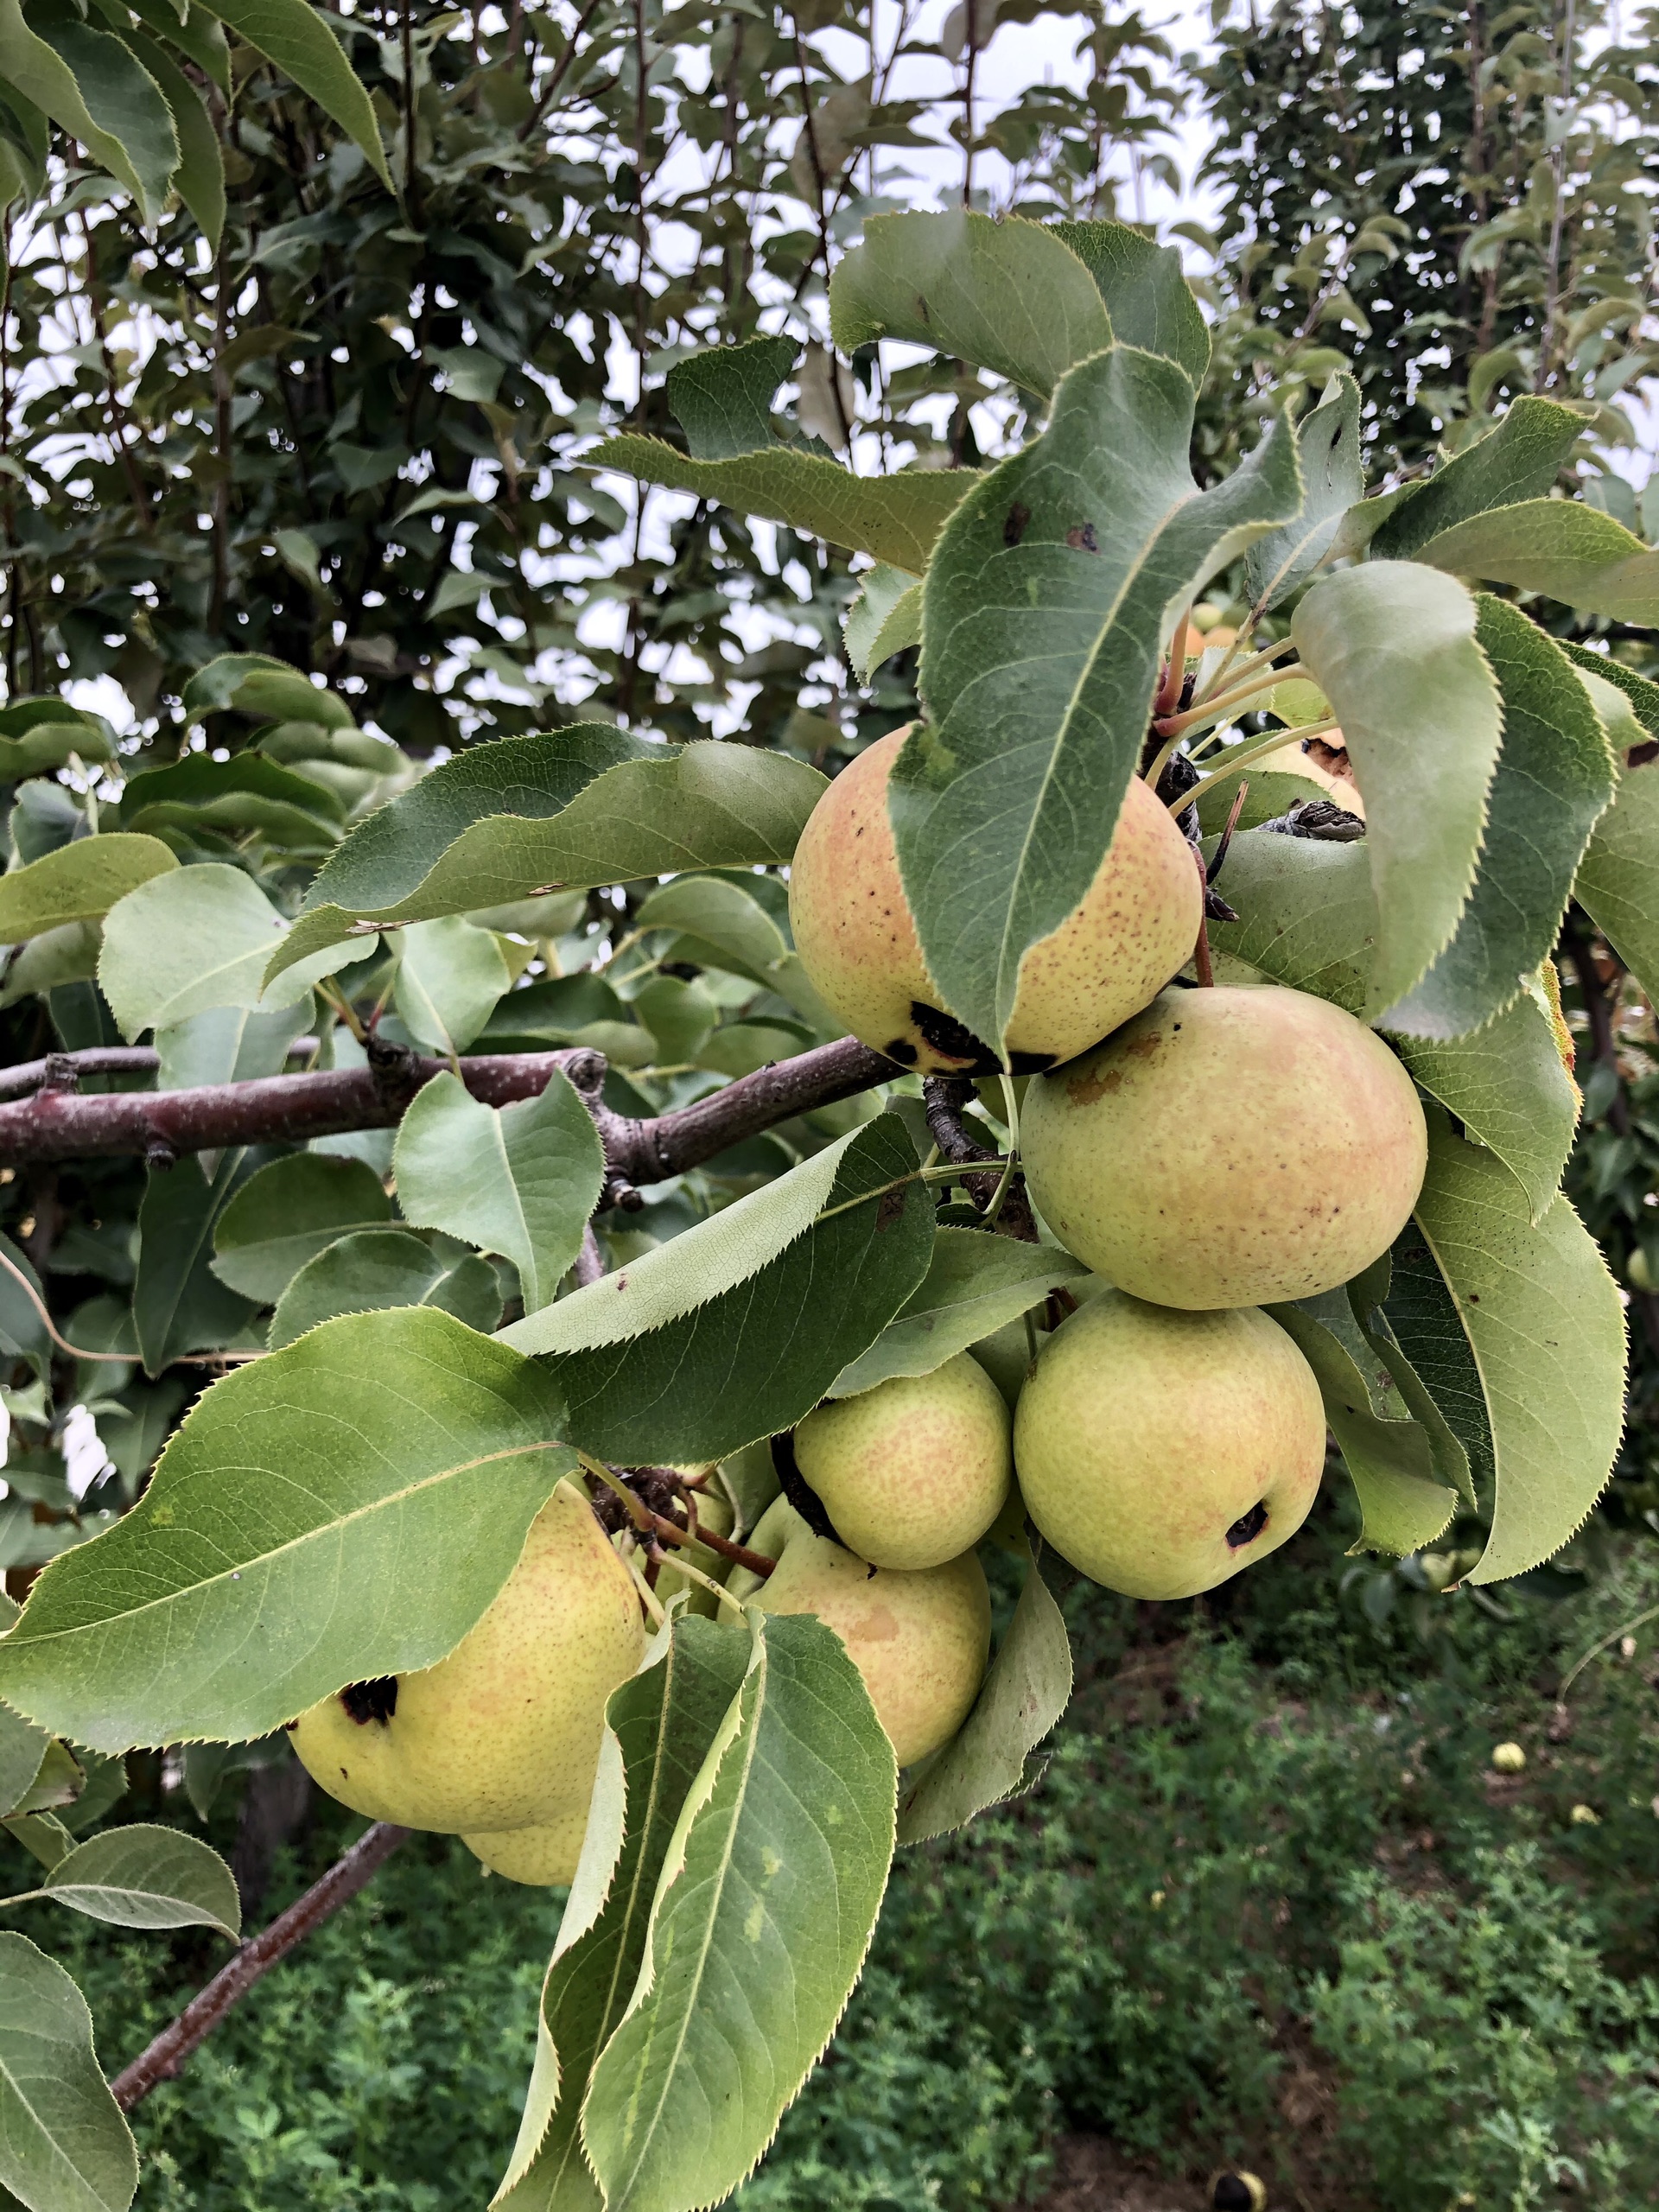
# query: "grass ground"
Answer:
x=1270 y=1905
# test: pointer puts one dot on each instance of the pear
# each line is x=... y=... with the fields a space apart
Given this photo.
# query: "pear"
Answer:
x=537 y=1856
x=920 y=1639
x=1133 y=930
x=1160 y=1452
x=913 y=1472
x=1227 y=1147
x=504 y=1732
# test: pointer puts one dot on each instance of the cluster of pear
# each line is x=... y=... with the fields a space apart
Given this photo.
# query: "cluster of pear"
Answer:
x=1222 y=1150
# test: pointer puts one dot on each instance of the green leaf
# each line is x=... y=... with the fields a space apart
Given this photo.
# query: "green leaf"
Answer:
x=68 y=955
x=143 y=1877
x=1307 y=920
x=298 y=38
x=1567 y=551
x=894 y=517
x=49 y=744
x=520 y=1180
x=1392 y=647
x=227 y=1044
x=22 y=1747
x=1333 y=477
x=1010 y=296
x=78 y=883
x=23 y=1332
x=196 y=33
x=1149 y=299
x=573 y=808
x=661 y=1727
x=1556 y=775
x=1509 y=1088
x=1618 y=877
x=200 y=938
x=64 y=2145
x=379 y=1267
x=258 y=684
x=1391 y=1465
x=767 y=1901
x=287 y=1213
x=1421 y=1318
x=975 y=1283
x=199 y=177
x=1048 y=607
x=884 y=618
x=246 y=793
x=1545 y=1324
x=1025 y=1693
x=1520 y=459
x=449 y=976
x=1642 y=693
x=722 y=397
x=345 y=1509
x=724 y=926
x=96 y=91
x=751 y=1315
x=179 y=1303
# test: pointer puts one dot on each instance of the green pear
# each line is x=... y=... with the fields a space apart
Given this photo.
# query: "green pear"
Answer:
x=504 y=1732
x=1134 y=928
x=1161 y=1451
x=1227 y=1147
x=914 y=1471
x=536 y=1856
x=919 y=1639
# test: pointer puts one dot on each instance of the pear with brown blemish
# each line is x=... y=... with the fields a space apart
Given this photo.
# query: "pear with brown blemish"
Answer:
x=1160 y=1452
x=1227 y=1147
x=1133 y=928
x=503 y=1735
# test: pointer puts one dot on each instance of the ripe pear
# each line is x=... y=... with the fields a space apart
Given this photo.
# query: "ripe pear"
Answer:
x=504 y=1732
x=537 y=1856
x=1159 y=1450
x=914 y=1471
x=919 y=1639
x=1227 y=1147
x=1133 y=928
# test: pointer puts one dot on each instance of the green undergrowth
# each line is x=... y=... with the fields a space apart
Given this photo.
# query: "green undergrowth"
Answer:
x=1269 y=1903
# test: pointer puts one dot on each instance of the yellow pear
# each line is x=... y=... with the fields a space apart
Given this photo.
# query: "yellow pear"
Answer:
x=1227 y=1147
x=504 y=1732
x=538 y=1856
x=1134 y=928
x=920 y=1639
x=914 y=1471
x=1160 y=1452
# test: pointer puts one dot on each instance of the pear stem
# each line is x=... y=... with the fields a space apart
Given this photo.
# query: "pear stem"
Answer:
x=1237 y=756
x=648 y=1598
x=1233 y=670
x=708 y=1582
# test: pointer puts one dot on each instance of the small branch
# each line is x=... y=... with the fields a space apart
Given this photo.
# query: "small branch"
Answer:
x=162 y=1125
x=945 y=1098
x=167 y=2053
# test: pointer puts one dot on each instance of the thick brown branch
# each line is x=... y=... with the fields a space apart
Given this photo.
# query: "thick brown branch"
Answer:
x=167 y=2053
x=161 y=1125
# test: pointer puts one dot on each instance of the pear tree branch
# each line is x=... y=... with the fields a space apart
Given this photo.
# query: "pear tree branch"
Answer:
x=59 y=1122
x=167 y=2053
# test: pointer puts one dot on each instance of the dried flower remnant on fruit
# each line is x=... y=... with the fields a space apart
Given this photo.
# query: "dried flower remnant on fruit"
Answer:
x=372 y=1700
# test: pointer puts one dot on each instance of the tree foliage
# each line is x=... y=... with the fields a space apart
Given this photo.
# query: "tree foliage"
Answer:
x=501 y=1135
